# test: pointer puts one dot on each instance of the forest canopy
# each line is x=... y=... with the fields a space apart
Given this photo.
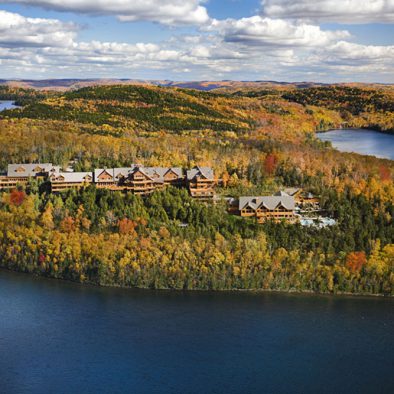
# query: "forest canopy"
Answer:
x=257 y=142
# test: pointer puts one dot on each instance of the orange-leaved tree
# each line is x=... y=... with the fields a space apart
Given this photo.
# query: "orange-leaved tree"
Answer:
x=355 y=261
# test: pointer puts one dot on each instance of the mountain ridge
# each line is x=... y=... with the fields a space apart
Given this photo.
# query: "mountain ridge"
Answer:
x=64 y=84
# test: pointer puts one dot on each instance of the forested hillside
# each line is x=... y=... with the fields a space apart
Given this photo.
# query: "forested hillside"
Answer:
x=113 y=239
x=357 y=107
x=256 y=141
x=117 y=109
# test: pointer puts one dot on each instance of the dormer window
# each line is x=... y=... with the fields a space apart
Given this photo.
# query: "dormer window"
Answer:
x=20 y=169
x=104 y=176
x=38 y=169
x=170 y=174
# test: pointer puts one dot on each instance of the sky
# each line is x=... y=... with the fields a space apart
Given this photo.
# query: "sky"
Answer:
x=190 y=40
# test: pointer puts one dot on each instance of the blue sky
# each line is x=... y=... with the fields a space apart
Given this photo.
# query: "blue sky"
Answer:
x=287 y=40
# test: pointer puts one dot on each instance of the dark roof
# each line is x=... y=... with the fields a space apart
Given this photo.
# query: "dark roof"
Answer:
x=206 y=172
x=269 y=202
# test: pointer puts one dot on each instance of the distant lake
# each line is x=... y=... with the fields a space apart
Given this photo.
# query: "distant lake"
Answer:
x=365 y=142
x=60 y=337
x=6 y=104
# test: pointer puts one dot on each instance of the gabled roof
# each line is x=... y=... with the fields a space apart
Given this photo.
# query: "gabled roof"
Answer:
x=121 y=172
x=21 y=168
x=291 y=191
x=73 y=177
x=176 y=170
x=99 y=171
x=30 y=169
x=158 y=173
x=288 y=191
x=143 y=171
x=206 y=172
x=281 y=193
x=269 y=202
x=116 y=173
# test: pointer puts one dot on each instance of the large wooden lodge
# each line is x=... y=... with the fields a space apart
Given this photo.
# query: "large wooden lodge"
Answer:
x=278 y=207
x=141 y=180
x=137 y=179
x=199 y=181
x=265 y=208
x=19 y=174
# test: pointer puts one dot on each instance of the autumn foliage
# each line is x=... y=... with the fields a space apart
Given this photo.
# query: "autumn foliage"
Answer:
x=385 y=174
x=270 y=163
x=17 y=197
x=355 y=261
x=127 y=226
x=257 y=142
x=67 y=224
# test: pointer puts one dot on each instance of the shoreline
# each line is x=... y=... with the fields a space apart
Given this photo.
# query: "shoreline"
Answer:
x=217 y=291
x=367 y=128
x=338 y=134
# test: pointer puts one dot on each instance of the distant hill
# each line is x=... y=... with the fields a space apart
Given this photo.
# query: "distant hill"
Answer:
x=114 y=107
x=72 y=84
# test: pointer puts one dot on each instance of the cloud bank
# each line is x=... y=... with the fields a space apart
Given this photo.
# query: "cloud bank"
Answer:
x=259 y=31
x=342 y=11
x=16 y=30
x=257 y=47
x=170 y=12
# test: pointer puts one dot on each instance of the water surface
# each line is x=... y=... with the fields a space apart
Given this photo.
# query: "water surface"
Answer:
x=6 y=104
x=365 y=142
x=58 y=337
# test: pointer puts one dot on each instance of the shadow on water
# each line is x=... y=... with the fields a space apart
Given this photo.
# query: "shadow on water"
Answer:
x=62 y=337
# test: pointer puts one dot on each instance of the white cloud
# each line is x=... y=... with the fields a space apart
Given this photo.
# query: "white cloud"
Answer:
x=368 y=61
x=343 y=11
x=16 y=30
x=248 y=48
x=347 y=51
x=169 y=12
x=259 y=31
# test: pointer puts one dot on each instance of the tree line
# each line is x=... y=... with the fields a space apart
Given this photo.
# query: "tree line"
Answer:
x=168 y=240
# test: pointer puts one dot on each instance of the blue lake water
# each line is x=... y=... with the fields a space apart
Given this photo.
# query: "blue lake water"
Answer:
x=365 y=142
x=6 y=104
x=59 y=337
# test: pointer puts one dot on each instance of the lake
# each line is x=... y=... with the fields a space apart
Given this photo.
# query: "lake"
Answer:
x=365 y=142
x=6 y=104
x=60 y=337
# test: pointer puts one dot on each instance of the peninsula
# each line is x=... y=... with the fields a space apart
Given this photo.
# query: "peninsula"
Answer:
x=232 y=191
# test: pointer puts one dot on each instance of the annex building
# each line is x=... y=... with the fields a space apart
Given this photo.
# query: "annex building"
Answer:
x=267 y=208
